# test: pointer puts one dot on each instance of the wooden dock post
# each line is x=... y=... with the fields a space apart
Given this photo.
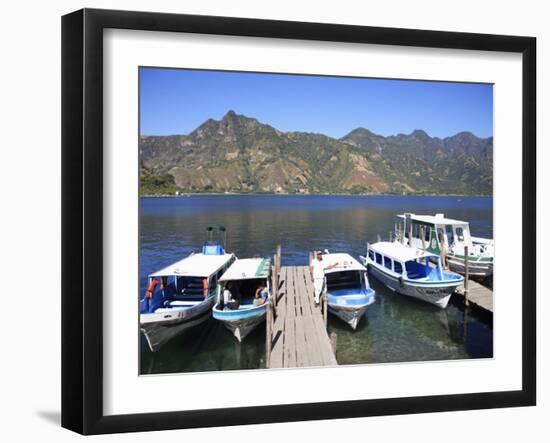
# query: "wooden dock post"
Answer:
x=325 y=309
x=278 y=261
x=275 y=282
x=333 y=341
x=466 y=275
x=268 y=332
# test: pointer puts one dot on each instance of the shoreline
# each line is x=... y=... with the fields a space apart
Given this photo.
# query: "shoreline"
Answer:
x=232 y=194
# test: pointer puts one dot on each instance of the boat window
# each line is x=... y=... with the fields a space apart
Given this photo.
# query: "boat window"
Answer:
x=397 y=267
x=387 y=262
x=460 y=234
x=378 y=258
x=339 y=281
x=450 y=236
x=371 y=254
x=189 y=287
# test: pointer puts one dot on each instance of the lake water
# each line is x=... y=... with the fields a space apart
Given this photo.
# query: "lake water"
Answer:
x=396 y=329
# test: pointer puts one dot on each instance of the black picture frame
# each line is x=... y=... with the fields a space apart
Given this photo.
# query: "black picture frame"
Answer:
x=82 y=218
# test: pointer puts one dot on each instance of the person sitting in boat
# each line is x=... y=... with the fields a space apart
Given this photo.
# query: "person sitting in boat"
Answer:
x=261 y=295
x=317 y=272
x=229 y=301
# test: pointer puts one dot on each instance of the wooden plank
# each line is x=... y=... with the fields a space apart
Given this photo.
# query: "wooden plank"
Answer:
x=478 y=294
x=301 y=344
x=313 y=346
x=326 y=353
x=299 y=335
x=289 y=357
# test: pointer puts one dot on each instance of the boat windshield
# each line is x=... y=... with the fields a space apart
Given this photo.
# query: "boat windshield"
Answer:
x=341 y=281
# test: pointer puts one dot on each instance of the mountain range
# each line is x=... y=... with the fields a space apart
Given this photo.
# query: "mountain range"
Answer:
x=239 y=154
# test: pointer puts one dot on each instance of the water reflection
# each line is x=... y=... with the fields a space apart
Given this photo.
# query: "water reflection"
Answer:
x=396 y=328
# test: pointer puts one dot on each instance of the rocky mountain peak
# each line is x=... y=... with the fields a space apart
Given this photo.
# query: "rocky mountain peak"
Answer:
x=240 y=154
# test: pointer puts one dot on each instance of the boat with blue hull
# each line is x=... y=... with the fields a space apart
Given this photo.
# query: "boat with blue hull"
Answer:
x=412 y=272
x=182 y=294
x=346 y=286
x=244 y=292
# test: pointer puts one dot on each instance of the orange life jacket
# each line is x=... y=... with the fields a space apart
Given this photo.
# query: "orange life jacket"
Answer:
x=151 y=288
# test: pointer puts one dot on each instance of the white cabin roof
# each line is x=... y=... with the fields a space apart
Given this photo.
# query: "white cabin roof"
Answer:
x=195 y=265
x=438 y=219
x=399 y=251
x=247 y=268
x=345 y=262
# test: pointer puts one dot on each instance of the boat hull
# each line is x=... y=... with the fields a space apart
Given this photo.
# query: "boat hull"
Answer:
x=240 y=329
x=241 y=322
x=351 y=307
x=475 y=267
x=437 y=294
x=159 y=328
x=351 y=315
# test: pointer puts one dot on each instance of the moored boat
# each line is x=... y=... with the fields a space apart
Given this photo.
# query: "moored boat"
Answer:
x=182 y=295
x=243 y=295
x=412 y=272
x=445 y=234
x=345 y=285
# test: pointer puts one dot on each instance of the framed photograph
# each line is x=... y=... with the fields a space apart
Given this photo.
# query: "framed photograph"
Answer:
x=269 y=221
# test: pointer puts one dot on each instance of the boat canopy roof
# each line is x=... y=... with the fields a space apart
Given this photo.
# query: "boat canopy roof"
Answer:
x=195 y=265
x=437 y=219
x=345 y=262
x=247 y=269
x=400 y=252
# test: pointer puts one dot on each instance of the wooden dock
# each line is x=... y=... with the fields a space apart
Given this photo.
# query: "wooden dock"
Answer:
x=478 y=295
x=298 y=332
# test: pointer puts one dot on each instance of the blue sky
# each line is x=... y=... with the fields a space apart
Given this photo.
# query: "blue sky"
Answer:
x=176 y=101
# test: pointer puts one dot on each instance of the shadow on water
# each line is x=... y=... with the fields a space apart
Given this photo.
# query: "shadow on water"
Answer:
x=207 y=347
x=396 y=328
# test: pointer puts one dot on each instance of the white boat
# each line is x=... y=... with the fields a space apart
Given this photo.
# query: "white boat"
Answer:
x=439 y=230
x=412 y=272
x=244 y=277
x=346 y=286
x=182 y=295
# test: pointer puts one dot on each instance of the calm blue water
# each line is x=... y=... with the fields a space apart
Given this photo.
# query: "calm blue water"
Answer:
x=397 y=329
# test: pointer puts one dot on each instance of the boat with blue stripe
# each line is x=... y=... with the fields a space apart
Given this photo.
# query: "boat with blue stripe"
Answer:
x=346 y=286
x=412 y=272
x=244 y=292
